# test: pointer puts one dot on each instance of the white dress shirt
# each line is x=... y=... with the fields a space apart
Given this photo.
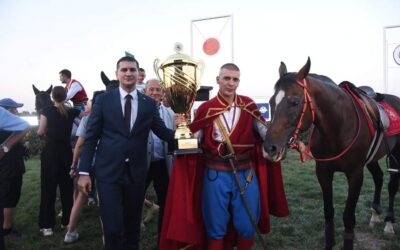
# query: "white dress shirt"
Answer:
x=134 y=104
x=229 y=120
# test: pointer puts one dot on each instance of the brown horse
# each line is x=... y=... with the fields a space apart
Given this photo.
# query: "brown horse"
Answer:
x=340 y=140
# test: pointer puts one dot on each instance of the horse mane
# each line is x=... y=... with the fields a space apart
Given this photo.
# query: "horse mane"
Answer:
x=289 y=78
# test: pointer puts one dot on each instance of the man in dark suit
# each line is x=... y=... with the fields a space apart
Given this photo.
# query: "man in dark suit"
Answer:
x=119 y=126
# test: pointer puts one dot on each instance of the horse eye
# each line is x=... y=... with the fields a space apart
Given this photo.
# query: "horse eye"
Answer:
x=294 y=102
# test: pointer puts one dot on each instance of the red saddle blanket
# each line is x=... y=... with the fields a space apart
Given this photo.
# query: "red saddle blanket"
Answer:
x=394 y=118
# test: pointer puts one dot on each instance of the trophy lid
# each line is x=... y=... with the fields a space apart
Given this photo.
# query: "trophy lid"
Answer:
x=179 y=57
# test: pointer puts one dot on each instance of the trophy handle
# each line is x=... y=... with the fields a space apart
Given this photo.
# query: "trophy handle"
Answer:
x=156 y=66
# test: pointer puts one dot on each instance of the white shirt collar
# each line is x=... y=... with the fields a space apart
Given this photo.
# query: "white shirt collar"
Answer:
x=123 y=93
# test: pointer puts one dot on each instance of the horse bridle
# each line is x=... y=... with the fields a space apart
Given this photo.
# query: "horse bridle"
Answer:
x=39 y=110
x=294 y=142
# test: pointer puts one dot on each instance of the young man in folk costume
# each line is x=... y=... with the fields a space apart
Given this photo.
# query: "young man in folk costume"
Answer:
x=75 y=91
x=77 y=94
x=231 y=130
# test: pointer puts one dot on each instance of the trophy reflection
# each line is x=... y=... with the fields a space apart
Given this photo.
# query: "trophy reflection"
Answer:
x=179 y=75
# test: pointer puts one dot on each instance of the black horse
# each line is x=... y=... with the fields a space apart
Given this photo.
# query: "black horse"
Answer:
x=42 y=98
x=110 y=84
x=340 y=140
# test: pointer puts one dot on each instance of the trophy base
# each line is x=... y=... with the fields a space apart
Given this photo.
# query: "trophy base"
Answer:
x=188 y=143
x=188 y=151
x=188 y=146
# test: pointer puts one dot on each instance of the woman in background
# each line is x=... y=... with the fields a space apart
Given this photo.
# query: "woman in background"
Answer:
x=55 y=126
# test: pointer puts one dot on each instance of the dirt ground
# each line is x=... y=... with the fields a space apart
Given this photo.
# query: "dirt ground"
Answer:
x=372 y=241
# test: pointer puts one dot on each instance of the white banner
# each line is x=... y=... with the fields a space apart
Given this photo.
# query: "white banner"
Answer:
x=212 y=42
x=392 y=60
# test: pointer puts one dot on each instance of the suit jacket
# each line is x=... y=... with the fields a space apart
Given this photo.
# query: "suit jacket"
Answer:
x=107 y=131
x=168 y=116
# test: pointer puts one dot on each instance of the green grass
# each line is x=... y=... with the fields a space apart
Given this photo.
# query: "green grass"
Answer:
x=303 y=229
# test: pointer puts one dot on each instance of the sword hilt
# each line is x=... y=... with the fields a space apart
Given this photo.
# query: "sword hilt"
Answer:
x=227 y=154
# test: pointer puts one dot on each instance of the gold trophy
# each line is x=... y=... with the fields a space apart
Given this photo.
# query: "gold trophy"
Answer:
x=179 y=75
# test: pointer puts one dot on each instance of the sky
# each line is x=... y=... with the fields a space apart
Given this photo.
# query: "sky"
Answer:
x=344 y=40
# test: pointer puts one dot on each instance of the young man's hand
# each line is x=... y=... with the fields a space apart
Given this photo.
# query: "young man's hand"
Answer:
x=85 y=184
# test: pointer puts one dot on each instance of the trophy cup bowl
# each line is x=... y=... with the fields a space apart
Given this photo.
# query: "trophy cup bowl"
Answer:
x=179 y=75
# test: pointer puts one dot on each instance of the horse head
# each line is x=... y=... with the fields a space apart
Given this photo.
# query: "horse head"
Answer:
x=110 y=84
x=42 y=98
x=289 y=112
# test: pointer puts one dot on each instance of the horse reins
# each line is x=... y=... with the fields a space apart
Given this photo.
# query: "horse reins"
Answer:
x=293 y=141
x=39 y=110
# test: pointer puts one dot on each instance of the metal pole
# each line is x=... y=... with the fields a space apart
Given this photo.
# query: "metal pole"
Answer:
x=392 y=27
x=233 y=57
x=385 y=58
x=385 y=70
x=210 y=18
x=191 y=39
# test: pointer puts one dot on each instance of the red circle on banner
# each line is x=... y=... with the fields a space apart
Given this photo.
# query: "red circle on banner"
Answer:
x=211 y=46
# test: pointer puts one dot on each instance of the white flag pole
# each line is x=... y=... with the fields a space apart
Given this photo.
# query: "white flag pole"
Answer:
x=232 y=37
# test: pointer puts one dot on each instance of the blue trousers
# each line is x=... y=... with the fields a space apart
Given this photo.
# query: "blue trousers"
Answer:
x=222 y=202
x=80 y=106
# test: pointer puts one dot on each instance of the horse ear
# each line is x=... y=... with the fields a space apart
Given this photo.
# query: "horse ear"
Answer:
x=104 y=78
x=48 y=91
x=282 y=70
x=304 y=71
x=35 y=90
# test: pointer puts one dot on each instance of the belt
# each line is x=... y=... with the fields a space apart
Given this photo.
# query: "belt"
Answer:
x=221 y=167
x=239 y=157
x=243 y=161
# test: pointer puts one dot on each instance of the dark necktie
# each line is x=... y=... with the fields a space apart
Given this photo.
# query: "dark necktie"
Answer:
x=128 y=109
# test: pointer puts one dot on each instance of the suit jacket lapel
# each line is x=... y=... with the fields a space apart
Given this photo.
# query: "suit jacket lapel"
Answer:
x=116 y=103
